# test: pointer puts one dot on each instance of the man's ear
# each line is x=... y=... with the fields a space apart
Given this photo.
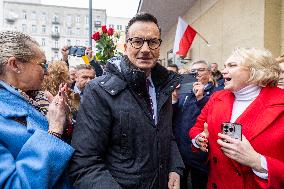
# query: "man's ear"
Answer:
x=125 y=47
x=13 y=66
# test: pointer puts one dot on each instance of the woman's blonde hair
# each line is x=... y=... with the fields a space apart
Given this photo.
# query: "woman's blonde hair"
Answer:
x=57 y=73
x=280 y=59
x=264 y=69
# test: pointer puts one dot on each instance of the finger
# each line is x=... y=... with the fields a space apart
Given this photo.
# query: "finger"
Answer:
x=206 y=129
x=227 y=138
x=170 y=184
x=224 y=144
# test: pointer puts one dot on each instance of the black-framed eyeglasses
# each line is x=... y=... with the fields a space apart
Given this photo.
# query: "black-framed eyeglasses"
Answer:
x=137 y=42
x=198 y=70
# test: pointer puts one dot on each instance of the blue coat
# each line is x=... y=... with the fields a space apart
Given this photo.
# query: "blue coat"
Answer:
x=29 y=156
x=185 y=113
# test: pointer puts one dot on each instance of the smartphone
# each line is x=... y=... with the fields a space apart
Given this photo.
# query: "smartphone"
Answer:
x=78 y=51
x=186 y=84
x=233 y=130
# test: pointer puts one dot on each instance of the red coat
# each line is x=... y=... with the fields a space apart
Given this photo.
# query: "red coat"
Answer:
x=262 y=124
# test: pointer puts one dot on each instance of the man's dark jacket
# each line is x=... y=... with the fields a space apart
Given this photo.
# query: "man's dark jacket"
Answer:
x=186 y=112
x=117 y=144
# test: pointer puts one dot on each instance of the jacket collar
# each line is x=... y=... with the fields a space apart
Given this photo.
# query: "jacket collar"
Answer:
x=136 y=79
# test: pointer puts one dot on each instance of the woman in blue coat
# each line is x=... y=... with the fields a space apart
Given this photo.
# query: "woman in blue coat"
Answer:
x=32 y=154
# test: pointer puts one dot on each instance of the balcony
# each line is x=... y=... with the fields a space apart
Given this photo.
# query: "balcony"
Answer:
x=55 y=48
x=55 y=35
x=11 y=17
x=98 y=24
x=55 y=21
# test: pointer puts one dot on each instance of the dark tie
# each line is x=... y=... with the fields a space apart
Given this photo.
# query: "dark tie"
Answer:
x=149 y=100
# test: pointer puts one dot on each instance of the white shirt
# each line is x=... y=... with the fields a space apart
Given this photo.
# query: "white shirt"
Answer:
x=152 y=94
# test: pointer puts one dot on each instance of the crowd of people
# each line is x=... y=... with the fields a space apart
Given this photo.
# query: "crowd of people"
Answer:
x=136 y=124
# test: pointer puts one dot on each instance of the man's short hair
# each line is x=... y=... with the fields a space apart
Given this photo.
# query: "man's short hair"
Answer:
x=142 y=17
x=173 y=66
x=16 y=44
x=201 y=62
x=84 y=67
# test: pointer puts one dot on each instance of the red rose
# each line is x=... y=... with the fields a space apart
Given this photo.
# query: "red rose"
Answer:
x=96 y=36
x=110 y=31
x=104 y=29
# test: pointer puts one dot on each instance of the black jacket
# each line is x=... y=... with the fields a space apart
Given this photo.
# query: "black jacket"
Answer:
x=186 y=111
x=117 y=144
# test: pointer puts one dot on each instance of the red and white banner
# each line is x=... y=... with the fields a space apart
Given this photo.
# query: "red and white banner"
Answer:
x=184 y=38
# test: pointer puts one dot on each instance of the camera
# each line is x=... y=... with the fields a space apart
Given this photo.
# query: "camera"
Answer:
x=186 y=84
x=78 y=51
x=234 y=130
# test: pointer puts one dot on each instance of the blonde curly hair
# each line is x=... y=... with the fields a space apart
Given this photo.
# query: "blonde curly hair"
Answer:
x=57 y=73
x=264 y=69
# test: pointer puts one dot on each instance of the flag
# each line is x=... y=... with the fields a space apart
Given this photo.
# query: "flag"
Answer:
x=184 y=38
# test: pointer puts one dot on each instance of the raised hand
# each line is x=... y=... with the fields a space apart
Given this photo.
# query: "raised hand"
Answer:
x=202 y=139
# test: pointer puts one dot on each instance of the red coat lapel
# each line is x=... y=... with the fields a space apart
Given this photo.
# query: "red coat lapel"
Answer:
x=262 y=112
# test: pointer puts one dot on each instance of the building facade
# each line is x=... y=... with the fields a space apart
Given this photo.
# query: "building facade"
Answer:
x=52 y=26
x=226 y=24
x=119 y=25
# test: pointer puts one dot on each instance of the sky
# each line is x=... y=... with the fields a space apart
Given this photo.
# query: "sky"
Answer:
x=116 y=8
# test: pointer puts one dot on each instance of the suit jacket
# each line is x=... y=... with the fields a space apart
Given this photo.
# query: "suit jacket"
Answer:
x=262 y=124
x=29 y=156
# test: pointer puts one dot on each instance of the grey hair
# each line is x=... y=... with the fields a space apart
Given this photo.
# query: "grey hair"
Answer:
x=15 y=44
x=201 y=62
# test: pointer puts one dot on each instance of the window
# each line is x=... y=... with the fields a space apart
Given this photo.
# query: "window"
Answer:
x=24 y=28
x=43 y=42
x=78 y=19
x=68 y=42
x=78 y=31
x=55 y=56
x=86 y=31
x=43 y=28
x=69 y=19
x=25 y=15
x=56 y=44
x=56 y=29
x=86 y=43
x=33 y=28
x=33 y=15
x=119 y=27
x=55 y=18
x=111 y=26
x=98 y=18
x=69 y=31
x=44 y=16
x=86 y=19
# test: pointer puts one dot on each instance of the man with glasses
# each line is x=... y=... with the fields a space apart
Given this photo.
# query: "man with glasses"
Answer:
x=123 y=137
x=187 y=109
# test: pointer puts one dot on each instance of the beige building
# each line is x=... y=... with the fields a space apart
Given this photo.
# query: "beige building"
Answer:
x=52 y=26
x=226 y=24
x=119 y=25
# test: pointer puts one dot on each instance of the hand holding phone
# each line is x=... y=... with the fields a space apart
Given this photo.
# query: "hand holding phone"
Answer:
x=234 y=130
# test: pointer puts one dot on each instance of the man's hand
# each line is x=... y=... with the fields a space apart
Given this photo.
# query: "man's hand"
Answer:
x=198 y=89
x=65 y=52
x=174 y=181
x=175 y=94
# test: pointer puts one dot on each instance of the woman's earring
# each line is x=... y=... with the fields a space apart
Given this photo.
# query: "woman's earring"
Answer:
x=18 y=71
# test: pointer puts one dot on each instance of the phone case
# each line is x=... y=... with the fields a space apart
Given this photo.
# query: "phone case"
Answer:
x=233 y=130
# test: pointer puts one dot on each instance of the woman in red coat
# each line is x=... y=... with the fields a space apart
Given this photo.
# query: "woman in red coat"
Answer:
x=251 y=99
